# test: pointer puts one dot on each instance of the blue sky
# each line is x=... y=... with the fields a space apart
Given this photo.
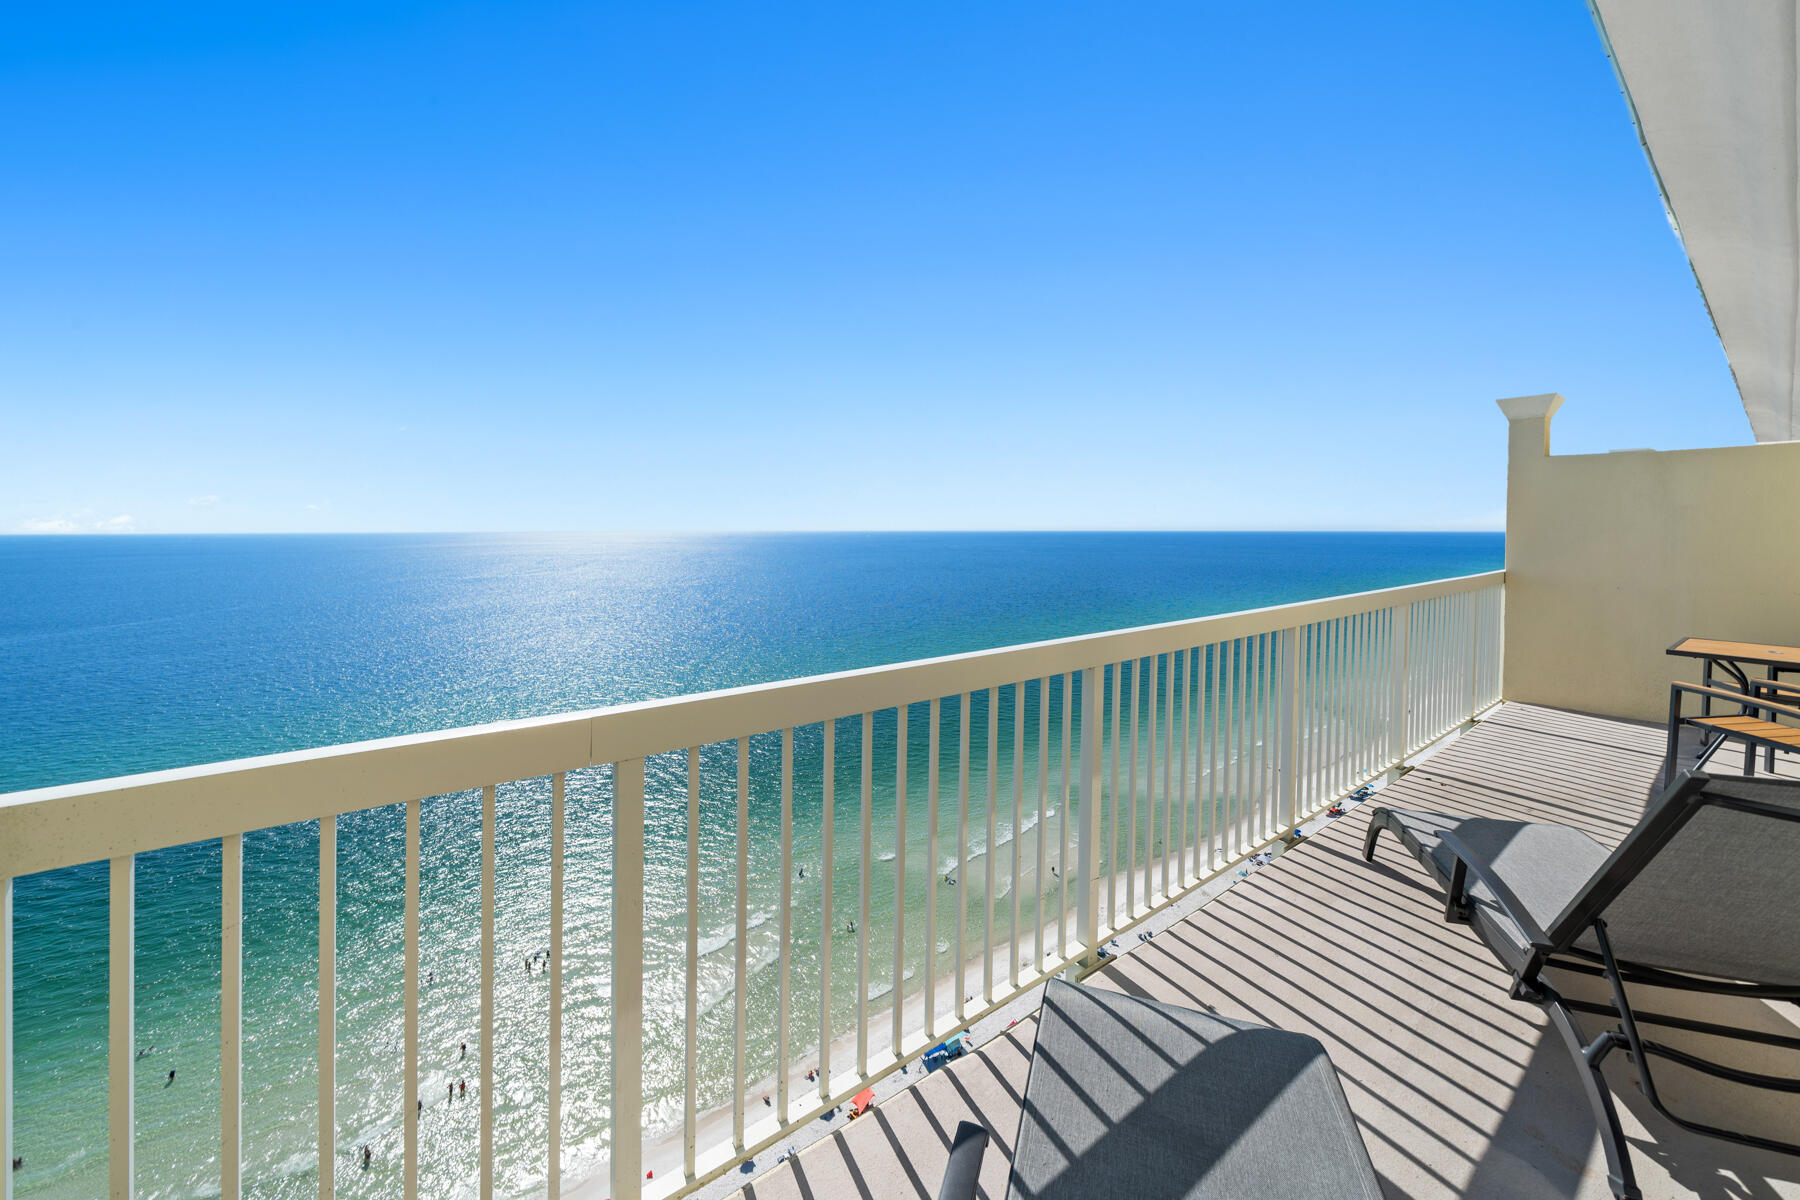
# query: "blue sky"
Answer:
x=398 y=266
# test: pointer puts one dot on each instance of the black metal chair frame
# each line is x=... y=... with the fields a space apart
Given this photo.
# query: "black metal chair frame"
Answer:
x=1555 y=948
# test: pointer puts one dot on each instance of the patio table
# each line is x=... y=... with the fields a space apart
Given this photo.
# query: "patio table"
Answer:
x=1736 y=659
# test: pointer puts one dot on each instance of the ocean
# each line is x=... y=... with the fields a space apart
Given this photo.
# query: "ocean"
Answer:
x=128 y=654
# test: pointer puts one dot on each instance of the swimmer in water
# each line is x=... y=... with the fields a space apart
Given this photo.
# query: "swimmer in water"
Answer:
x=367 y=1153
x=171 y=1077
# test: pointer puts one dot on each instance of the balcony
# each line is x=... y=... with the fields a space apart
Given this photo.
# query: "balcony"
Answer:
x=1459 y=1091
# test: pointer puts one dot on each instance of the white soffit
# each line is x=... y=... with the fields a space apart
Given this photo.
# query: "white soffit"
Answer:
x=1712 y=87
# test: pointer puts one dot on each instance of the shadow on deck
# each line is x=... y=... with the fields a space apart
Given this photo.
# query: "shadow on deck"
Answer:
x=1460 y=1092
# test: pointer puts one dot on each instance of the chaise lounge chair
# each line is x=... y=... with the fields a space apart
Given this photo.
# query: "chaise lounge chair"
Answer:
x=1129 y=1097
x=1698 y=897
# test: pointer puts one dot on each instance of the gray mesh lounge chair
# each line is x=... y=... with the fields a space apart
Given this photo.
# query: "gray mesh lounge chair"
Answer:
x=1698 y=897
x=1128 y=1097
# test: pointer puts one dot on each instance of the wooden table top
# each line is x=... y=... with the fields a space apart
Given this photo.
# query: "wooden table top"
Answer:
x=1743 y=652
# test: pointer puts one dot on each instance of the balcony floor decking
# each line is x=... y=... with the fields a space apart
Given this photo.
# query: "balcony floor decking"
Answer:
x=1460 y=1091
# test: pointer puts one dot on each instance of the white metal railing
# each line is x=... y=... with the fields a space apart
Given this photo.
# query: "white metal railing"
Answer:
x=1176 y=748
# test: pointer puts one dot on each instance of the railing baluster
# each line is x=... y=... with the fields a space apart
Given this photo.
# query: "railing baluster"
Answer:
x=1288 y=802
x=962 y=848
x=1244 y=780
x=1193 y=764
x=787 y=925
x=899 y=992
x=1441 y=665
x=1267 y=741
x=1215 y=770
x=1187 y=718
x=993 y=832
x=828 y=798
x=739 y=992
x=328 y=1007
x=1150 y=744
x=1440 y=628
x=1168 y=792
x=231 y=1015
x=1156 y=733
x=1347 y=704
x=1234 y=753
x=1062 y=820
x=6 y=1034
x=121 y=999
x=409 y=1098
x=1112 y=845
x=1043 y=820
x=690 y=1100
x=1268 y=707
x=931 y=866
x=1334 y=706
x=1358 y=682
x=862 y=915
x=1087 y=839
x=1400 y=683
x=1434 y=628
x=1018 y=821
x=627 y=981
x=1370 y=680
x=1131 y=788
x=553 y=1156
x=1475 y=603
x=1312 y=770
x=489 y=871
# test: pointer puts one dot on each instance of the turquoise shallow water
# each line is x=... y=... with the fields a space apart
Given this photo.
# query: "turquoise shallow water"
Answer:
x=130 y=654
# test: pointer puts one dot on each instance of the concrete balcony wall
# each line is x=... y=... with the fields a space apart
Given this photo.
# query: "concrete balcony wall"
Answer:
x=1611 y=558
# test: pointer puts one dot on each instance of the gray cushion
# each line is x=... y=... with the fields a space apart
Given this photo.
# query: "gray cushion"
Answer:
x=1717 y=899
x=1544 y=865
x=1132 y=1098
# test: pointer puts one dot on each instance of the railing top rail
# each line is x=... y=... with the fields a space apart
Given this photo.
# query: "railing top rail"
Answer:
x=46 y=828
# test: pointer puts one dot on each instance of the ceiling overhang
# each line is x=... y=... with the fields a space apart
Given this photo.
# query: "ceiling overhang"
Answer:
x=1712 y=87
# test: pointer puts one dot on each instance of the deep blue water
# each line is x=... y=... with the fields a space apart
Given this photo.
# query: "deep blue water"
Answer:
x=120 y=655
x=132 y=654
